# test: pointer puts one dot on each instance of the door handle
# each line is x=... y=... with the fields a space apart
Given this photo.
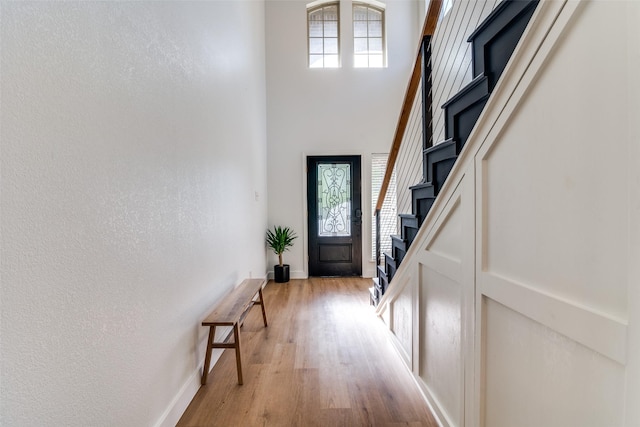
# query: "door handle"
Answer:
x=357 y=218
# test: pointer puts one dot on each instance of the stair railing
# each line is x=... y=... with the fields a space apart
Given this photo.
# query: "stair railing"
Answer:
x=421 y=73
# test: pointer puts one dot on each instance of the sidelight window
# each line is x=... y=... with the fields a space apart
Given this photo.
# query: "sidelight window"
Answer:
x=388 y=213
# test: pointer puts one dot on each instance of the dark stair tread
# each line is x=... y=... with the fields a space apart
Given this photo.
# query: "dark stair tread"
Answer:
x=398 y=248
x=441 y=172
x=507 y=21
x=421 y=186
x=377 y=286
x=407 y=216
x=423 y=207
x=398 y=242
x=506 y=10
x=382 y=274
x=422 y=190
x=410 y=221
x=391 y=273
x=389 y=259
x=477 y=88
x=446 y=150
x=410 y=224
x=383 y=281
x=463 y=110
x=421 y=196
x=442 y=150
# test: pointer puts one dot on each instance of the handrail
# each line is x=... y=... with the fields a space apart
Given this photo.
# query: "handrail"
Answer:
x=428 y=28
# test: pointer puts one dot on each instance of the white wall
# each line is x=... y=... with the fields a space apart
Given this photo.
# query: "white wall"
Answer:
x=328 y=111
x=133 y=142
x=632 y=413
x=517 y=304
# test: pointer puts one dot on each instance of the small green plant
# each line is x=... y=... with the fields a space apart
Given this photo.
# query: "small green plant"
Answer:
x=280 y=240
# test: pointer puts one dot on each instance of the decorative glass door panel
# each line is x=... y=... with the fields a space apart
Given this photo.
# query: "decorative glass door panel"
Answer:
x=334 y=217
x=334 y=199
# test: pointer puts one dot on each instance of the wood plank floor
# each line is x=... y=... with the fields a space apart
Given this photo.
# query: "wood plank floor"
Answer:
x=324 y=360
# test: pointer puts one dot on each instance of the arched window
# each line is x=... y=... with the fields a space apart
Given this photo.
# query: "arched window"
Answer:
x=323 y=23
x=369 y=50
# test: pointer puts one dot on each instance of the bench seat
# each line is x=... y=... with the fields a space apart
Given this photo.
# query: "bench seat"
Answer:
x=231 y=311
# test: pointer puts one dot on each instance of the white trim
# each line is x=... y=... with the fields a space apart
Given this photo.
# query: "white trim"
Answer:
x=295 y=274
x=317 y=3
x=185 y=395
x=373 y=3
x=187 y=392
x=433 y=403
x=598 y=331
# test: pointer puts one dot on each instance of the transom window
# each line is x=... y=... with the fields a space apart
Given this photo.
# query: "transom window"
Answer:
x=368 y=36
x=324 y=36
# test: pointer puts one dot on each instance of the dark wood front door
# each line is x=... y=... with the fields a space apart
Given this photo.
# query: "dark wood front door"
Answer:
x=335 y=216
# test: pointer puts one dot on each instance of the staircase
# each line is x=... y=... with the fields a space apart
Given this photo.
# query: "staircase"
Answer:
x=492 y=44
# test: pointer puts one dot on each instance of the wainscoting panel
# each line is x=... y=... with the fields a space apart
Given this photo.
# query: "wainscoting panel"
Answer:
x=441 y=301
x=440 y=341
x=402 y=314
x=529 y=369
x=553 y=224
x=447 y=241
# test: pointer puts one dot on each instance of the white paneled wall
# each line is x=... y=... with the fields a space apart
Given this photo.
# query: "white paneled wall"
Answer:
x=519 y=288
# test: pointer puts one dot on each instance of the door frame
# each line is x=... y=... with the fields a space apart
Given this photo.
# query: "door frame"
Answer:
x=335 y=244
x=365 y=183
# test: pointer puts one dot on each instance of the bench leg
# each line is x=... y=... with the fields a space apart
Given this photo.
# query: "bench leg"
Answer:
x=264 y=313
x=236 y=337
x=207 y=358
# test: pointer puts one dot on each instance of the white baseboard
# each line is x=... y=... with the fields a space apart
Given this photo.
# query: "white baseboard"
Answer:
x=303 y=275
x=293 y=274
x=183 y=398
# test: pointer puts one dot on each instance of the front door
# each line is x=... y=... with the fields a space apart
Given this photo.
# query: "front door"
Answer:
x=335 y=216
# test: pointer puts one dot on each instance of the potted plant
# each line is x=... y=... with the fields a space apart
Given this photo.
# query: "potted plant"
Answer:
x=280 y=240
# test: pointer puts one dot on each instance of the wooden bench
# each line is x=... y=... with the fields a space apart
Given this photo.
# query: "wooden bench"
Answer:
x=231 y=311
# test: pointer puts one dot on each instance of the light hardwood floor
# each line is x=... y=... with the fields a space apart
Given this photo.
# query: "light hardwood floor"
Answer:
x=324 y=360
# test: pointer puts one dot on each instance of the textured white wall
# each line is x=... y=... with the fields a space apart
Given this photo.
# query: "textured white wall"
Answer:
x=329 y=111
x=133 y=142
